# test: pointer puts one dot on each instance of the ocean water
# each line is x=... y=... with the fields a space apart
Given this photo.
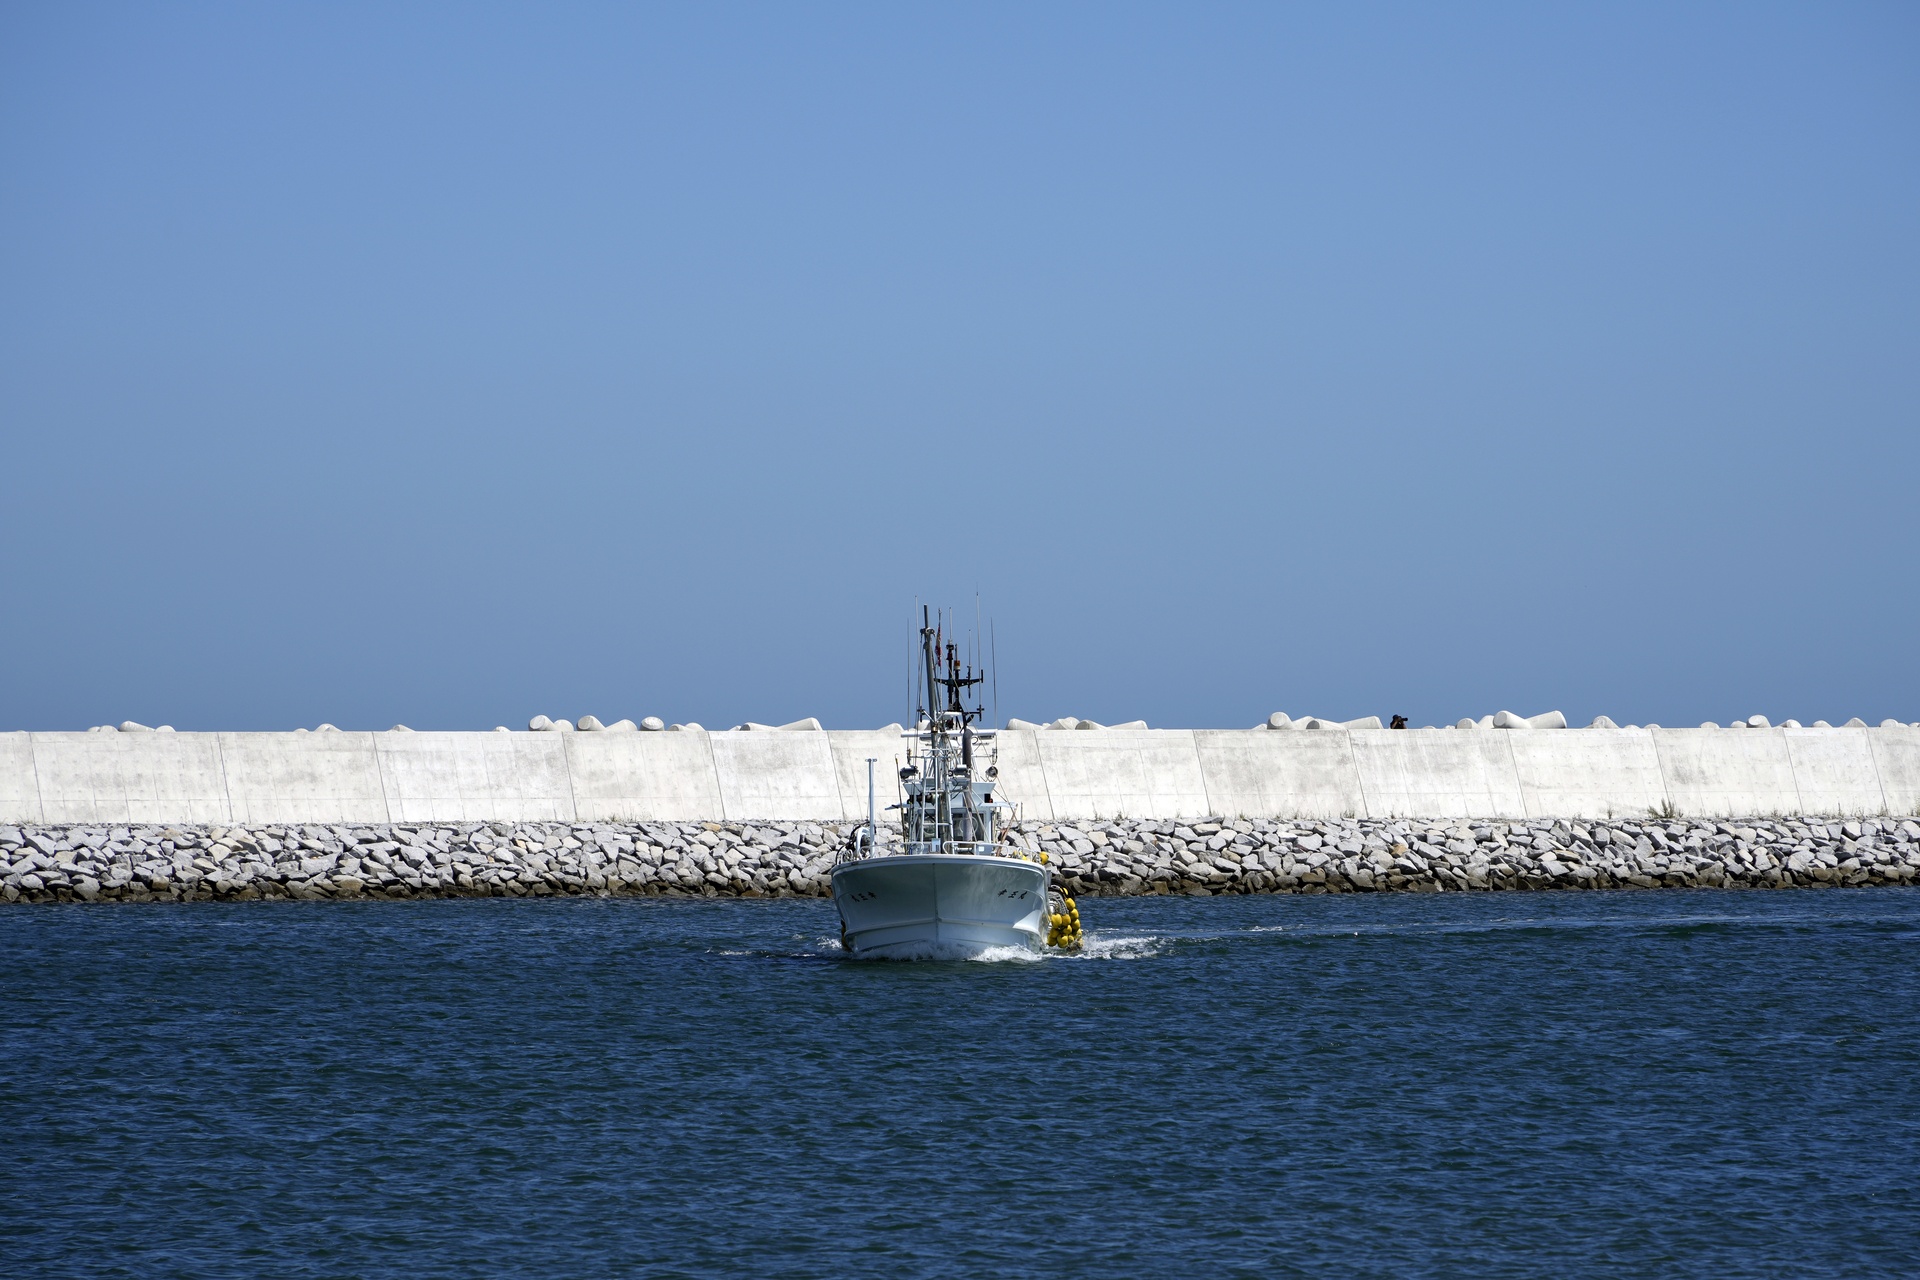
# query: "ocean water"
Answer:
x=1713 y=1084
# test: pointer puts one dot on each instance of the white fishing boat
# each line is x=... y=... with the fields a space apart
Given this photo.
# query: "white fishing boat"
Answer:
x=949 y=882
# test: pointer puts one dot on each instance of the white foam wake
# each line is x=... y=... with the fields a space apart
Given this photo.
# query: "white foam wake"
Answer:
x=1096 y=947
x=957 y=951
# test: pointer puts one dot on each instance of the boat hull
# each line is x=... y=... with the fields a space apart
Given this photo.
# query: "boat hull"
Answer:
x=940 y=905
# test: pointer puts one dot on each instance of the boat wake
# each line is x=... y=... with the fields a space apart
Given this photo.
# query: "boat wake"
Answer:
x=953 y=951
x=1096 y=947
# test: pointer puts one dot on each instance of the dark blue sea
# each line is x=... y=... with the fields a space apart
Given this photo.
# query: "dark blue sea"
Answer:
x=1580 y=1084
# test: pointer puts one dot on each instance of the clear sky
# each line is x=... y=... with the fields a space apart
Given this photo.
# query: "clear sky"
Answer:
x=449 y=364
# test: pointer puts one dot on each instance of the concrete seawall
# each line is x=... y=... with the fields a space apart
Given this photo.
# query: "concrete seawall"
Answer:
x=799 y=776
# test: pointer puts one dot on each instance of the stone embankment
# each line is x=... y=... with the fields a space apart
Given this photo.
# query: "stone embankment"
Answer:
x=1200 y=856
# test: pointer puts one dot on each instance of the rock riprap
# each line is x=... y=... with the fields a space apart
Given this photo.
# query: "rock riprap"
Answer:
x=785 y=859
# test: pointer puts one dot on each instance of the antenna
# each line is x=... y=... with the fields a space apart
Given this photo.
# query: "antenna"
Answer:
x=995 y=642
x=976 y=629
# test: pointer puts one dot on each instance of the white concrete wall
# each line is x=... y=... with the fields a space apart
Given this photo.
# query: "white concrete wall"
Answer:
x=1120 y=773
x=1023 y=778
x=474 y=777
x=1051 y=774
x=1834 y=771
x=769 y=774
x=1727 y=772
x=288 y=777
x=1596 y=773
x=19 y=782
x=1284 y=775
x=851 y=749
x=1896 y=754
x=639 y=777
x=1437 y=773
x=130 y=777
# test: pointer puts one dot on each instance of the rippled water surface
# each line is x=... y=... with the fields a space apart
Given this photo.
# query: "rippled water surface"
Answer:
x=1699 y=1084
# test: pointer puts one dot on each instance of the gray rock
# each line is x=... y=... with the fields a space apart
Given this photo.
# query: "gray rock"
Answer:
x=1215 y=855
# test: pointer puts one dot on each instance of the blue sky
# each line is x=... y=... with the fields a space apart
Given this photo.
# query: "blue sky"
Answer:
x=448 y=364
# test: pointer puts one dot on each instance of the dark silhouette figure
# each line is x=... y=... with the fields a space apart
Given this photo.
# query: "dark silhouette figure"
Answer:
x=1399 y=722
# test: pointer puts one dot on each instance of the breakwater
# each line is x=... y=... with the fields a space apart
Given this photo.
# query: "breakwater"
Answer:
x=715 y=859
x=804 y=774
